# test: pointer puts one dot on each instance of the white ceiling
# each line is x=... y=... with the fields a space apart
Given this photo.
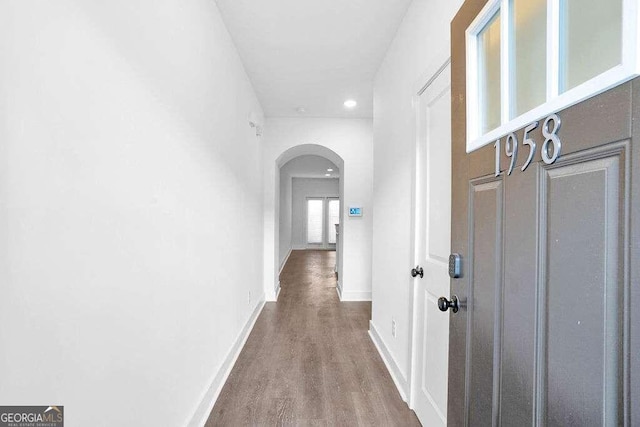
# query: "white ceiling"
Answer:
x=313 y=53
x=309 y=166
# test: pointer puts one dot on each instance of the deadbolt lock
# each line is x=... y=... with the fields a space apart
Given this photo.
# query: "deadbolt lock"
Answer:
x=455 y=266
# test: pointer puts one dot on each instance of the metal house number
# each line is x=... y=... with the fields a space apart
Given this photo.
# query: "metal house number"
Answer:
x=550 y=150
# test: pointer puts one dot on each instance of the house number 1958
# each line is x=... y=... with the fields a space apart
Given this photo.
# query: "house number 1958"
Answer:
x=550 y=150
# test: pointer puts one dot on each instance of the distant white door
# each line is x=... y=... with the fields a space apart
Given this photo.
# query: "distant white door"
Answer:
x=333 y=218
x=432 y=246
x=315 y=222
x=323 y=213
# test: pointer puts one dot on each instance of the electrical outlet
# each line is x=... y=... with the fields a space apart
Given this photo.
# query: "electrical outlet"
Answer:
x=393 y=327
x=249 y=299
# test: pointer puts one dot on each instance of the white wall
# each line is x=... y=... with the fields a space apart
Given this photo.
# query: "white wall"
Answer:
x=303 y=188
x=423 y=35
x=351 y=141
x=286 y=245
x=130 y=197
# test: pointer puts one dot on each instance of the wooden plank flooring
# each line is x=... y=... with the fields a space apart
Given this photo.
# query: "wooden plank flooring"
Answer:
x=310 y=361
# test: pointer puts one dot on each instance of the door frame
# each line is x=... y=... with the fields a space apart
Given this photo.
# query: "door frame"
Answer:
x=439 y=63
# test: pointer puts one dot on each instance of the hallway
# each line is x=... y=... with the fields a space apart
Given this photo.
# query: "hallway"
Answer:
x=309 y=359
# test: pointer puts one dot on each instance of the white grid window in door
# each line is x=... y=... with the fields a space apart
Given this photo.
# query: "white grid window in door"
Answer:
x=527 y=59
x=315 y=221
x=334 y=218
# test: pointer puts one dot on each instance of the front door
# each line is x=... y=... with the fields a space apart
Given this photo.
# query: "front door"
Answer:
x=432 y=245
x=547 y=331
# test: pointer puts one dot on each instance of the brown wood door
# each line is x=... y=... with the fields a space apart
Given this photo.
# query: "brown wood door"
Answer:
x=548 y=329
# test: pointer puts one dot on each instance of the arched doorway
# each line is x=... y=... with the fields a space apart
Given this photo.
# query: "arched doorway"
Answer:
x=348 y=144
x=298 y=152
x=309 y=204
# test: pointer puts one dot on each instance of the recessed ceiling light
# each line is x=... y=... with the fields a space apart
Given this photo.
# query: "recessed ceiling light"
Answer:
x=329 y=170
x=350 y=103
x=327 y=174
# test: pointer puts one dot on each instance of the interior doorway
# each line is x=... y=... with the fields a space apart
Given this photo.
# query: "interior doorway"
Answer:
x=309 y=214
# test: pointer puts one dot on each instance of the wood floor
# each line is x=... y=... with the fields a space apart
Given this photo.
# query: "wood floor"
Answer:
x=310 y=361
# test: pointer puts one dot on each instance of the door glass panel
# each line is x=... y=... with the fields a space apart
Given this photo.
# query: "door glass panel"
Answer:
x=529 y=48
x=334 y=218
x=591 y=39
x=489 y=69
x=315 y=215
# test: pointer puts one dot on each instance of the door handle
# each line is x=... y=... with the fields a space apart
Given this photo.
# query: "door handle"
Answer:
x=418 y=271
x=444 y=304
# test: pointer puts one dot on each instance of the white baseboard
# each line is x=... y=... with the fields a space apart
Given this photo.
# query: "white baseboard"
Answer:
x=278 y=291
x=299 y=247
x=284 y=262
x=212 y=392
x=394 y=370
x=354 y=295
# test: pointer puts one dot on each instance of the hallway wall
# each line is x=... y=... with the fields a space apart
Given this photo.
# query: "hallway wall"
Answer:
x=421 y=38
x=130 y=198
x=351 y=139
x=286 y=210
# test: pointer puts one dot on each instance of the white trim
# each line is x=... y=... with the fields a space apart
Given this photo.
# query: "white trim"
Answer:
x=553 y=49
x=505 y=57
x=284 y=262
x=603 y=82
x=471 y=48
x=631 y=34
x=354 y=295
x=278 y=288
x=394 y=370
x=339 y=291
x=271 y=296
x=413 y=351
x=210 y=395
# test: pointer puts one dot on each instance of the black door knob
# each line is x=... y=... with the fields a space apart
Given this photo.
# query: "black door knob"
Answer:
x=418 y=271
x=444 y=304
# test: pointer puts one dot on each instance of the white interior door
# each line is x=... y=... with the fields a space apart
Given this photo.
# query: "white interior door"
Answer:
x=322 y=215
x=315 y=224
x=432 y=248
x=333 y=218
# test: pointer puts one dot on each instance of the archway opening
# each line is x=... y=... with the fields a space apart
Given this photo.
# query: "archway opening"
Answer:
x=309 y=203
